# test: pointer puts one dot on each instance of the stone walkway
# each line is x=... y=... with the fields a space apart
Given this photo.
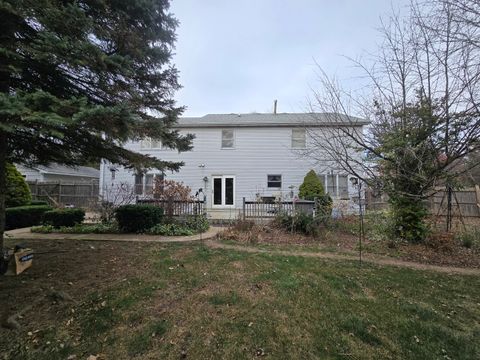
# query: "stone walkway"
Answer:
x=25 y=234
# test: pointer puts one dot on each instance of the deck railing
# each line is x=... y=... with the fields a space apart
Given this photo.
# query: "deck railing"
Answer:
x=177 y=207
x=259 y=209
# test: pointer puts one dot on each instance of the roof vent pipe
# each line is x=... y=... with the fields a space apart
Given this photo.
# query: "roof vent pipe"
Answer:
x=274 y=106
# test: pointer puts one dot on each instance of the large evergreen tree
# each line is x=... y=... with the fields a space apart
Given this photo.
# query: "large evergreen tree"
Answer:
x=78 y=78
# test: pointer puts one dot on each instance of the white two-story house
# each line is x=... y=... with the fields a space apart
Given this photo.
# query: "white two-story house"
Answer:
x=237 y=156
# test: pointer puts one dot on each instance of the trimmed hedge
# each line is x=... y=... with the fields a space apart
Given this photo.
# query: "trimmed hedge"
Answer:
x=39 y=202
x=138 y=218
x=64 y=217
x=24 y=216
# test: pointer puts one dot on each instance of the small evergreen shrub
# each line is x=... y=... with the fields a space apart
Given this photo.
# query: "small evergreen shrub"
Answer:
x=24 y=216
x=18 y=192
x=312 y=189
x=138 y=218
x=408 y=217
x=64 y=217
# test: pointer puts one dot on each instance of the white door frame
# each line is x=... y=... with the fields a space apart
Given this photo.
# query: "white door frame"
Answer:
x=223 y=177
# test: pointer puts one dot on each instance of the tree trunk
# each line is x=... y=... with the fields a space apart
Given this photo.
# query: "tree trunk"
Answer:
x=7 y=39
x=3 y=186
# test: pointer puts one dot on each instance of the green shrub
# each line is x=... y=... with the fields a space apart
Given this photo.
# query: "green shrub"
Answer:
x=311 y=187
x=171 y=229
x=24 y=216
x=299 y=223
x=470 y=238
x=408 y=216
x=323 y=207
x=77 y=229
x=18 y=192
x=64 y=217
x=39 y=202
x=138 y=218
x=189 y=225
x=197 y=224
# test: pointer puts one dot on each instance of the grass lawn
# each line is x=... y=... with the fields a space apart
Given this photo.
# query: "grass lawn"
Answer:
x=173 y=301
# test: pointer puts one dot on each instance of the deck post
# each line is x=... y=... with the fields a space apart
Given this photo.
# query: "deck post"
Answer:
x=243 y=207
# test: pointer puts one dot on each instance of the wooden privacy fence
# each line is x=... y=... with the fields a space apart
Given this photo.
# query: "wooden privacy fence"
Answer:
x=177 y=207
x=261 y=210
x=465 y=202
x=84 y=195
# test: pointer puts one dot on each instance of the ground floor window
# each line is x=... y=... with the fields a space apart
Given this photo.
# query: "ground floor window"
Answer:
x=335 y=185
x=223 y=191
x=145 y=183
x=139 y=184
x=274 y=181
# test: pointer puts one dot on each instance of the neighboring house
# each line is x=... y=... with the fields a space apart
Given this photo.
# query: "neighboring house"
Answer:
x=238 y=156
x=59 y=173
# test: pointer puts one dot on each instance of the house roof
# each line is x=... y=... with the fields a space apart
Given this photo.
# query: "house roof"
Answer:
x=270 y=120
x=83 y=171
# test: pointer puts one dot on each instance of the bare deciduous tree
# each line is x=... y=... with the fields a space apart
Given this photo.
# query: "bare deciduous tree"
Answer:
x=421 y=95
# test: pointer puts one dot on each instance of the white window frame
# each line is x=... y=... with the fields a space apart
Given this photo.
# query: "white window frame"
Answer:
x=297 y=138
x=336 y=186
x=233 y=139
x=147 y=144
x=223 y=177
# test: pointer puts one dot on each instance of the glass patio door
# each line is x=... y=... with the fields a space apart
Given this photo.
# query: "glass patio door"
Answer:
x=223 y=191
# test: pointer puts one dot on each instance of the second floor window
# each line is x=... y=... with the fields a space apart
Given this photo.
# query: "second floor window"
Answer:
x=228 y=140
x=298 y=139
x=149 y=143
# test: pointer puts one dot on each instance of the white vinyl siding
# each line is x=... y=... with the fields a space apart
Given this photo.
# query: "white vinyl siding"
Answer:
x=298 y=139
x=228 y=139
x=258 y=152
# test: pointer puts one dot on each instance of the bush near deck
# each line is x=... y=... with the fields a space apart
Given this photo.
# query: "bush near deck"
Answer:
x=138 y=218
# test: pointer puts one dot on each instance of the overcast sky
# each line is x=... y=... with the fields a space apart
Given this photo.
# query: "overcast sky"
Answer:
x=238 y=56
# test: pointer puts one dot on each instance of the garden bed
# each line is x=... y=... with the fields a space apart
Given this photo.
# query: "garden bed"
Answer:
x=342 y=236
